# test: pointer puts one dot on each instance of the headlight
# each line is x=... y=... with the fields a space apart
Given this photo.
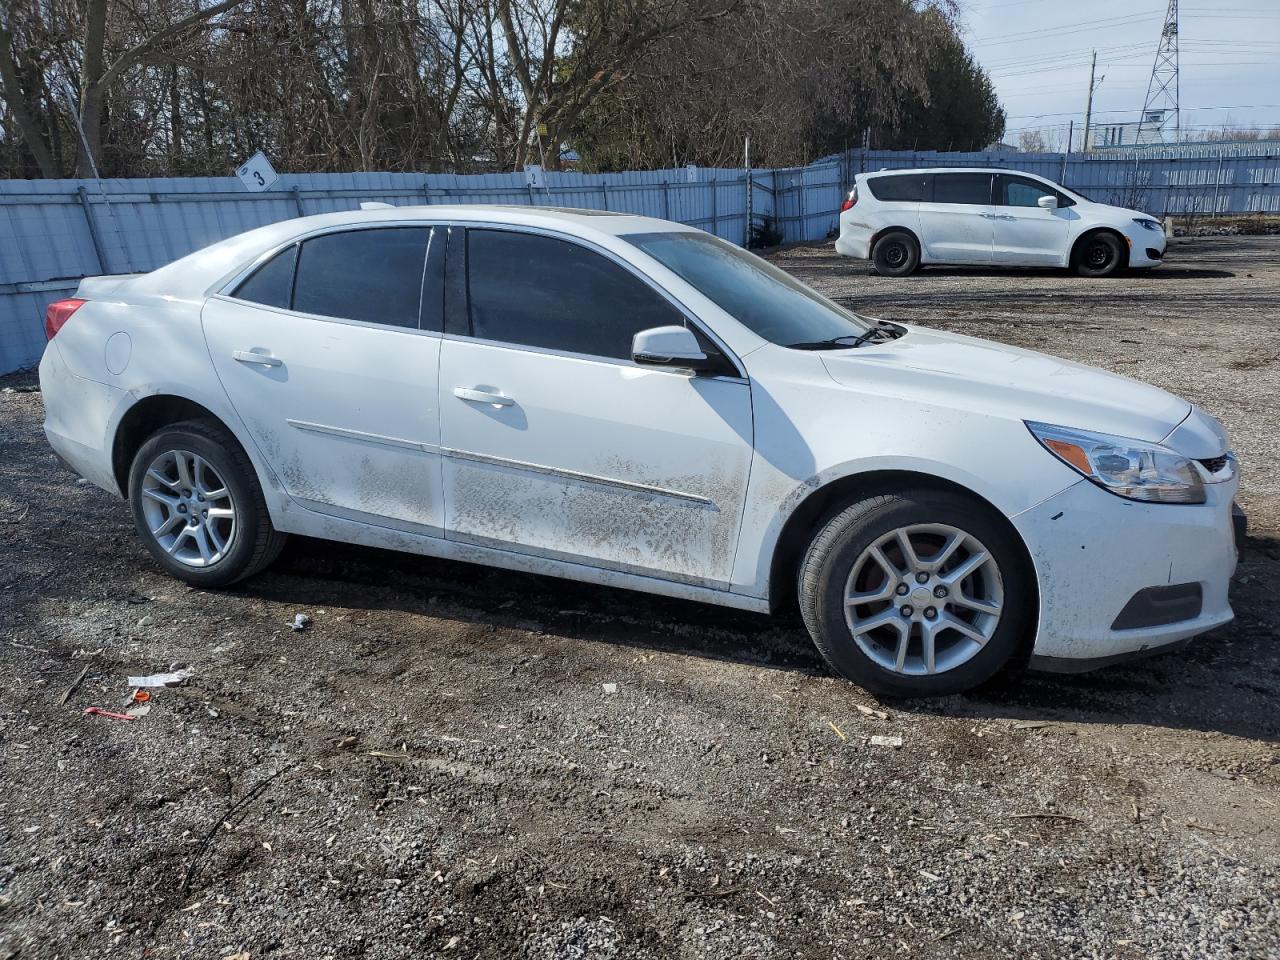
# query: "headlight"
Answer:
x=1127 y=468
x=1148 y=224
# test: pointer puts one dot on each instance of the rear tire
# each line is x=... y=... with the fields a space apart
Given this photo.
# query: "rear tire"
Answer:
x=198 y=506
x=896 y=254
x=1099 y=255
x=961 y=628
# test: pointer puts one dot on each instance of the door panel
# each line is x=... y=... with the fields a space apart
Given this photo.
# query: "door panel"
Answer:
x=1025 y=234
x=956 y=219
x=611 y=464
x=348 y=419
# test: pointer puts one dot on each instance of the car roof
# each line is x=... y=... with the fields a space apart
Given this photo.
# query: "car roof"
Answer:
x=198 y=270
x=1023 y=173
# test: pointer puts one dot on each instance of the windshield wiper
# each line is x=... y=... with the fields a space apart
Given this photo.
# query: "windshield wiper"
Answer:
x=880 y=329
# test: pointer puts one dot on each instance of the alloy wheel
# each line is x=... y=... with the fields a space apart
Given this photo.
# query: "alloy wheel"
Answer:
x=923 y=599
x=188 y=508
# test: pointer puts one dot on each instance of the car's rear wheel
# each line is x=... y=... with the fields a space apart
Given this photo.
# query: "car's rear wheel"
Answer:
x=198 y=506
x=896 y=254
x=1099 y=255
x=921 y=593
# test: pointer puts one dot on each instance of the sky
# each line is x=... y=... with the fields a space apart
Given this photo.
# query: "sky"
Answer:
x=1037 y=53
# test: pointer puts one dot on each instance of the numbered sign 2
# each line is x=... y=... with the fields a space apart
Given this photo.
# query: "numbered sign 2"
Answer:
x=256 y=173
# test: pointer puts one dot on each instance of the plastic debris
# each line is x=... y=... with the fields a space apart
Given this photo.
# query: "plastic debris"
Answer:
x=300 y=622
x=868 y=712
x=609 y=687
x=879 y=741
x=98 y=711
x=133 y=713
x=140 y=696
x=170 y=679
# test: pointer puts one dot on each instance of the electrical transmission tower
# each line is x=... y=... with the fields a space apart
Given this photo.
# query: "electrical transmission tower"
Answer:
x=1160 y=113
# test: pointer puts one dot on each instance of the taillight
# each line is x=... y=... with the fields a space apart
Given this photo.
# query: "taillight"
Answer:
x=59 y=312
x=849 y=200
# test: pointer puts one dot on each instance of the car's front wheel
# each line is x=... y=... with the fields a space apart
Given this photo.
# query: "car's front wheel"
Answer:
x=198 y=507
x=896 y=254
x=1100 y=255
x=919 y=593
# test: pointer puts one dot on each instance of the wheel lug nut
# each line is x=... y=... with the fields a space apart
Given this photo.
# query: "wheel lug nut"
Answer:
x=182 y=508
x=930 y=613
x=922 y=578
x=902 y=589
x=186 y=493
x=939 y=592
x=907 y=611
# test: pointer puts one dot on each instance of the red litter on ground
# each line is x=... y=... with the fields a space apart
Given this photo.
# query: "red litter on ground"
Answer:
x=107 y=713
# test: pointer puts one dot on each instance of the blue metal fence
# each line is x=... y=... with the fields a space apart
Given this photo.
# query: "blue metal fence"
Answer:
x=53 y=232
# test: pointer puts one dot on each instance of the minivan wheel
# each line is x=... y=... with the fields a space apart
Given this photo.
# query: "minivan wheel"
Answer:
x=198 y=507
x=920 y=593
x=1099 y=256
x=896 y=254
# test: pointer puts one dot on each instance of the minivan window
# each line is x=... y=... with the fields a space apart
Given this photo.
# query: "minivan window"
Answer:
x=373 y=276
x=905 y=187
x=539 y=291
x=1014 y=191
x=766 y=300
x=962 y=188
x=272 y=283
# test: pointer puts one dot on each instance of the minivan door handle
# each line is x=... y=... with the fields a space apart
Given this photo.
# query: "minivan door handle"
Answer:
x=261 y=359
x=482 y=396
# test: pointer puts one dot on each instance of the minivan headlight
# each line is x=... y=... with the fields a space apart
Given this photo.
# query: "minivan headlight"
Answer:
x=1128 y=468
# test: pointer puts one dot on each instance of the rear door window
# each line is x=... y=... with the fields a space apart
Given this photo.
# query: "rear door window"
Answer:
x=962 y=188
x=899 y=187
x=374 y=276
x=540 y=291
x=272 y=283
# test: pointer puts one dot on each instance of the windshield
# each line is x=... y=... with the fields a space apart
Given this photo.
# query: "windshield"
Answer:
x=753 y=291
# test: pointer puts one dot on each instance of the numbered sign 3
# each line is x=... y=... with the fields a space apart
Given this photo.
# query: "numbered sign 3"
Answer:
x=256 y=173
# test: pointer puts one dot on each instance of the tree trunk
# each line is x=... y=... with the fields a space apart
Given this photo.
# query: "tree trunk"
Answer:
x=12 y=90
x=91 y=94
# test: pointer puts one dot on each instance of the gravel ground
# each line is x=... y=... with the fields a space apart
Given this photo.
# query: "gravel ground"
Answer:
x=440 y=764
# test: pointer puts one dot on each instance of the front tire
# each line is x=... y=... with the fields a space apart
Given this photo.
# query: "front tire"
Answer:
x=896 y=254
x=198 y=507
x=1099 y=255
x=920 y=593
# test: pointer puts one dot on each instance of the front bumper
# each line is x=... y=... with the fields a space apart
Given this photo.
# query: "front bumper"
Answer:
x=1146 y=247
x=1094 y=551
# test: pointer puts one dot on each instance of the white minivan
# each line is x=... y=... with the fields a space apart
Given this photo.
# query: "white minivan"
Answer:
x=902 y=219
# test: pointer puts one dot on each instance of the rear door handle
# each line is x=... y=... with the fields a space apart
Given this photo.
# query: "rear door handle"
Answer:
x=482 y=396
x=261 y=359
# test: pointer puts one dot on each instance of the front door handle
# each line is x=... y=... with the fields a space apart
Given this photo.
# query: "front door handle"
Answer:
x=261 y=359
x=482 y=396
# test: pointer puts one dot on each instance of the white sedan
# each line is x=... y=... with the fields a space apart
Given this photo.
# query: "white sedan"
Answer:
x=903 y=219
x=633 y=402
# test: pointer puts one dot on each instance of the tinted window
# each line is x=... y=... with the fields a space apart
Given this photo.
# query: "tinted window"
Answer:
x=375 y=276
x=271 y=283
x=962 y=188
x=543 y=292
x=754 y=292
x=1023 y=192
x=908 y=188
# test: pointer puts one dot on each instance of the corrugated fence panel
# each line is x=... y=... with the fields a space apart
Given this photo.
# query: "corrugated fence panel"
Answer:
x=53 y=232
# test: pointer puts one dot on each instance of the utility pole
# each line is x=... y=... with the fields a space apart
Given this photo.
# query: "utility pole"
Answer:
x=1088 y=107
x=1161 y=105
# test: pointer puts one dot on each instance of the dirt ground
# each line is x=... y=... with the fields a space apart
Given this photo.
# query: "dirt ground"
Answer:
x=436 y=765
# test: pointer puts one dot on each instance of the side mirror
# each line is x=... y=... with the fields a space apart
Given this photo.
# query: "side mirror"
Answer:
x=1047 y=203
x=671 y=346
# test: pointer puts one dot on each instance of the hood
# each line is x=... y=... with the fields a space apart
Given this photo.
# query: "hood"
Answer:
x=1123 y=214
x=962 y=372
